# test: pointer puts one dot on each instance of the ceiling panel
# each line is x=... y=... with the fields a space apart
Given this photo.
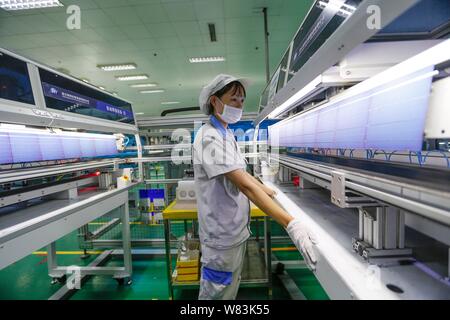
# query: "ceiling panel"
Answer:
x=123 y=16
x=139 y=31
x=110 y=3
x=153 y=13
x=88 y=35
x=19 y=42
x=180 y=11
x=209 y=9
x=83 y=4
x=249 y=24
x=146 y=44
x=110 y=34
x=96 y=18
x=159 y=36
x=187 y=28
x=168 y=43
x=164 y=29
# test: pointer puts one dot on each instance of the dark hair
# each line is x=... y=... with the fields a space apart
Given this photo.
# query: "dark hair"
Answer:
x=234 y=86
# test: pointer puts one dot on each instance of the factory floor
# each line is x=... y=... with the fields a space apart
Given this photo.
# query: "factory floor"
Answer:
x=28 y=278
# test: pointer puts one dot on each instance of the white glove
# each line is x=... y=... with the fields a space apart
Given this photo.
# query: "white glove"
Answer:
x=303 y=240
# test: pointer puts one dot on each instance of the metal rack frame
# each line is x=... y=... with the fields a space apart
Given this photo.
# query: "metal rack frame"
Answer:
x=41 y=225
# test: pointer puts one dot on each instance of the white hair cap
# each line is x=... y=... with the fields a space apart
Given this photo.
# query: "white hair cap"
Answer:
x=217 y=84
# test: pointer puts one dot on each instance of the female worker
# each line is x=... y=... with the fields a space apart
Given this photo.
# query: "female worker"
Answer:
x=224 y=189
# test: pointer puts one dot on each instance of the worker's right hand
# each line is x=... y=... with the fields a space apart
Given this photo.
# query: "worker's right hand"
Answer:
x=304 y=240
x=270 y=192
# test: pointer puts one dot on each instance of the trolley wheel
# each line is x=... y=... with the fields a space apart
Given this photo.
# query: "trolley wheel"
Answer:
x=279 y=269
x=60 y=280
x=124 y=281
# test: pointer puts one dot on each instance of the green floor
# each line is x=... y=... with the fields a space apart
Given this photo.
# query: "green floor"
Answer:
x=28 y=279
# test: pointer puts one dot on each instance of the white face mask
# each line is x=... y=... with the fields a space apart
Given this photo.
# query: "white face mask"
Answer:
x=230 y=114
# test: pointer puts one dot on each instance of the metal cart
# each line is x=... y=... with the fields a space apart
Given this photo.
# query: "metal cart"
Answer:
x=256 y=271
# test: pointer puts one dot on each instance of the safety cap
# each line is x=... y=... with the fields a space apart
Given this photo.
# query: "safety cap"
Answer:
x=217 y=84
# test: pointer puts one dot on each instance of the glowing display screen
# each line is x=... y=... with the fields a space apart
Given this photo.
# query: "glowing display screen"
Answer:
x=389 y=116
x=35 y=145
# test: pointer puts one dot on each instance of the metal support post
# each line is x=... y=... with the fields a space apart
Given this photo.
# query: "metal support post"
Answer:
x=168 y=257
x=305 y=184
x=361 y=224
x=268 y=253
x=266 y=38
x=401 y=230
x=52 y=262
x=381 y=233
x=391 y=228
x=69 y=194
x=139 y=151
x=126 y=240
x=378 y=229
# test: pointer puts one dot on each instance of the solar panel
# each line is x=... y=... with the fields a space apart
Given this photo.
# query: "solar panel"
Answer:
x=388 y=116
x=38 y=145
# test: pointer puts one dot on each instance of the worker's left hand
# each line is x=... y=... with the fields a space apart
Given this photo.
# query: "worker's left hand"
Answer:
x=304 y=240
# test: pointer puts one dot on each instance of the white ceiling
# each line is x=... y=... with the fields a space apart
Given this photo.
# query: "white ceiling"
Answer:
x=159 y=36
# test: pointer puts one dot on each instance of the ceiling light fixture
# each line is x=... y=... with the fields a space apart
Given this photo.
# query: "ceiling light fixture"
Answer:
x=12 y=5
x=341 y=9
x=170 y=102
x=212 y=32
x=102 y=88
x=206 y=59
x=296 y=98
x=132 y=77
x=85 y=80
x=143 y=85
x=152 y=91
x=117 y=67
x=139 y=113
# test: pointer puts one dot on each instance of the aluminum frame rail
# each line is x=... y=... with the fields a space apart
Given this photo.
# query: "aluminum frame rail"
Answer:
x=343 y=273
x=430 y=203
x=29 y=229
x=38 y=172
x=157 y=122
x=189 y=145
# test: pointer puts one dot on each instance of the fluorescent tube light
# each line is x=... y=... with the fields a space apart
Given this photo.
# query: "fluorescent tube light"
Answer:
x=143 y=85
x=341 y=8
x=139 y=113
x=117 y=67
x=296 y=98
x=170 y=102
x=102 y=88
x=428 y=58
x=13 y=5
x=206 y=59
x=132 y=77
x=152 y=91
